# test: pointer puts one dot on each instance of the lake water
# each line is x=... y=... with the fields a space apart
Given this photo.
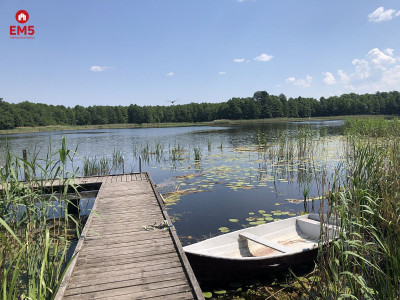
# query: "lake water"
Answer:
x=246 y=175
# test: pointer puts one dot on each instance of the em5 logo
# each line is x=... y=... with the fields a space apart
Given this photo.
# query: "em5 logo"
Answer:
x=22 y=32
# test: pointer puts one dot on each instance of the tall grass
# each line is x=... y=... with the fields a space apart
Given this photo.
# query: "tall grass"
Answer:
x=33 y=245
x=117 y=159
x=378 y=127
x=364 y=262
x=97 y=166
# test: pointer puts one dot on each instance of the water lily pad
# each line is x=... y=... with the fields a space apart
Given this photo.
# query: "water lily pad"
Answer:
x=250 y=219
x=207 y=295
x=257 y=222
x=233 y=220
x=223 y=229
x=261 y=211
x=269 y=219
x=251 y=213
x=219 y=292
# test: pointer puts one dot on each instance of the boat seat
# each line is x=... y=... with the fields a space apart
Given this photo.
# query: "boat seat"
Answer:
x=265 y=242
x=311 y=228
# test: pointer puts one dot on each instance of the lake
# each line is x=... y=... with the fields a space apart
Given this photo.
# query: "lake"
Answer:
x=214 y=179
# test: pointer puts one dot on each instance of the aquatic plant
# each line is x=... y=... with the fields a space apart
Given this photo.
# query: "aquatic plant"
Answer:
x=117 y=159
x=94 y=166
x=372 y=127
x=363 y=262
x=197 y=154
x=209 y=144
x=34 y=243
x=177 y=152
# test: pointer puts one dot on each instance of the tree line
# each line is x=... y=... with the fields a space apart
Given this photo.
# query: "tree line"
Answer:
x=260 y=106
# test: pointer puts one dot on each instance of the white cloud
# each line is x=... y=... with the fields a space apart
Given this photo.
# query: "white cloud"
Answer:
x=99 y=68
x=378 y=70
x=304 y=82
x=169 y=74
x=221 y=73
x=263 y=57
x=380 y=15
x=389 y=51
x=392 y=77
x=300 y=82
x=381 y=60
x=238 y=60
x=362 y=68
x=329 y=78
x=344 y=78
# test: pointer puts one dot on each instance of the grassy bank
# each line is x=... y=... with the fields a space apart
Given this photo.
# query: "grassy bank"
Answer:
x=180 y=124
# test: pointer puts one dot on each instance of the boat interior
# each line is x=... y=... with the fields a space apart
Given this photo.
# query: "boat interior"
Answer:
x=273 y=239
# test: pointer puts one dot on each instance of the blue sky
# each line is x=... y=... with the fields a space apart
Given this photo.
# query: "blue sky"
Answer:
x=103 y=52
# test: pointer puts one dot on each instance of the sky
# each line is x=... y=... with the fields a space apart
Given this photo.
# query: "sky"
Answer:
x=118 y=52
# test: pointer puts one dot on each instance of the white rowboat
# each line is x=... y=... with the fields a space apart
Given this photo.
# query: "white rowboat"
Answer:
x=273 y=245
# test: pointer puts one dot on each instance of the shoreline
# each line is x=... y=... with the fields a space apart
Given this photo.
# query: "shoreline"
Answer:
x=52 y=128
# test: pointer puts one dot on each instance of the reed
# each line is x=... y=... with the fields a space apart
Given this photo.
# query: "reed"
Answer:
x=209 y=144
x=117 y=159
x=372 y=127
x=363 y=262
x=197 y=154
x=96 y=166
x=177 y=152
x=33 y=242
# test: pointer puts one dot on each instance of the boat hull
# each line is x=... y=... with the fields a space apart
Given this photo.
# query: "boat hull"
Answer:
x=214 y=269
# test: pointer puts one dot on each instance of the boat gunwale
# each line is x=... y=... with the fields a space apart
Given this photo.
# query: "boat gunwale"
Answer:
x=263 y=258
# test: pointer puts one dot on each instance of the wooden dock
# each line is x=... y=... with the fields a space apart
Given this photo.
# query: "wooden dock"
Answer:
x=116 y=258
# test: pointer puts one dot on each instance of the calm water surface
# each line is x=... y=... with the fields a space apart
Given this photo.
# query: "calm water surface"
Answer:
x=235 y=184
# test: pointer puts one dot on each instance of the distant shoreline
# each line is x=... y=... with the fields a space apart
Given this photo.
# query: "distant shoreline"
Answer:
x=52 y=128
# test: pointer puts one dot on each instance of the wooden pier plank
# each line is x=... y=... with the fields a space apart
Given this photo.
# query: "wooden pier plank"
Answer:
x=117 y=258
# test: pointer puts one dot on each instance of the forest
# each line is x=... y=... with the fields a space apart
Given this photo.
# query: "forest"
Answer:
x=261 y=106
